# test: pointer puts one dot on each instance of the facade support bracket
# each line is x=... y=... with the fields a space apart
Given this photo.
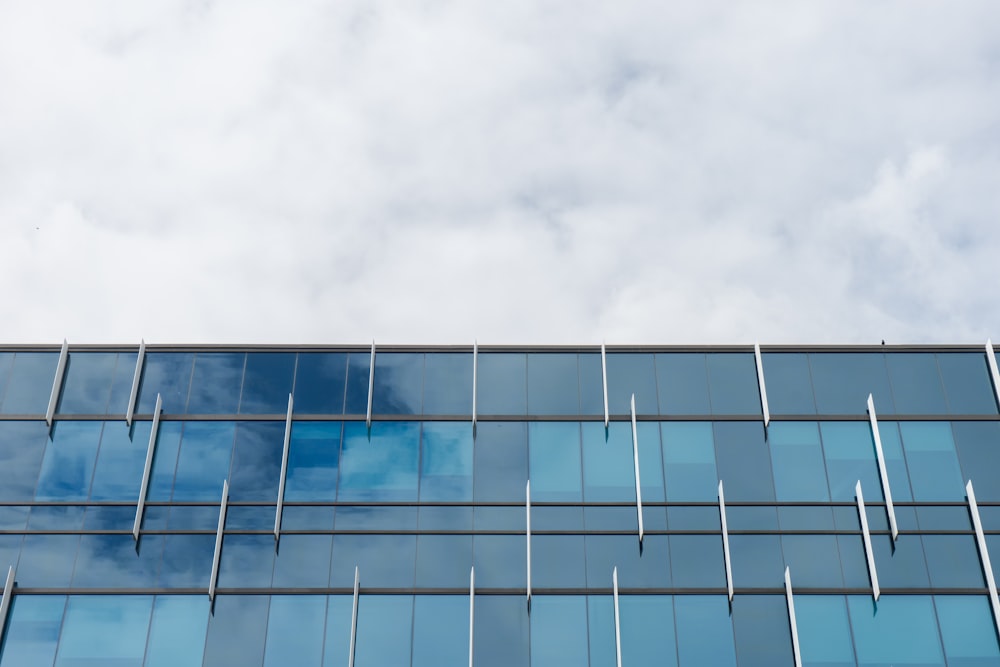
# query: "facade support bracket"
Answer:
x=527 y=517
x=604 y=378
x=147 y=468
x=284 y=471
x=886 y=491
x=991 y=360
x=5 y=600
x=760 y=384
x=57 y=381
x=984 y=554
x=635 y=461
x=354 y=618
x=218 y=540
x=791 y=619
x=371 y=386
x=867 y=536
x=475 y=381
x=134 y=394
x=472 y=610
x=618 y=624
x=725 y=542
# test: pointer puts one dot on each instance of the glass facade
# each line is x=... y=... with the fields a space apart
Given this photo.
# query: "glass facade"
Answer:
x=432 y=491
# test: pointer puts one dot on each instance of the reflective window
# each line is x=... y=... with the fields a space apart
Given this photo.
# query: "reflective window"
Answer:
x=683 y=384
x=501 y=384
x=650 y=462
x=557 y=561
x=385 y=561
x=440 y=630
x=814 y=560
x=385 y=625
x=256 y=466
x=104 y=629
x=608 y=468
x=696 y=561
x=500 y=561
x=601 y=628
x=554 y=461
x=203 y=461
x=895 y=464
x=500 y=462
x=320 y=378
x=757 y=561
x=267 y=383
x=930 y=456
x=553 y=384
x=900 y=565
x=337 y=646
x=967 y=631
x=797 y=460
x=824 y=631
x=501 y=630
x=399 y=383
x=167 y=374
x=92 y=379
x=120 y=461
x=22 y=445
x=978 y=446
x=68 y=465
x=443 y=561
x=559 y=630
x=448 y=383
x=216 y=382
x=967 y=383
x=358 y=373
x=177 y=632
x=591 y=384
x=843 y=380
x=161 y=477
x=689 y=461
x=313 y=461
x=952 y=561
x=630 y=373
x=32 y=633
x=733 y=383
x=899 y=630
x=236 y=631
x=789 y=384
x=647 y=631
x=29 y=383
x=184 y=559
x=295 y=628
x=246 y=561
x=760 y=624
x=744 y=462
x=116 y=561
x=302 y=561
x=648 y=568
x=382 y=465
x=850 y=456
x=704 y=631
x=916 y=383
x=446 y=461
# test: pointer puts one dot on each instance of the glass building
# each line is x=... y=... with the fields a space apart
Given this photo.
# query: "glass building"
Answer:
x=499 y=506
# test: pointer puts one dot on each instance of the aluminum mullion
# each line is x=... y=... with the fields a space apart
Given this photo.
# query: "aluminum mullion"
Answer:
x=760 y=384
x=618 y=626
x=134 y=394
x=886 y=491
x=284 y=471
x=8 y=594
x=725 y=542
x=218 y=540
x=604 y=378
x=354 y=618
x=991 y=359
x=791 y=618
x=475 y=380
x=984 y=554
x=527 y=510
x=635 y=461
x=472 y=609
x=867 y=536
x=371 y=386
x=57 y=381
x=147 y=468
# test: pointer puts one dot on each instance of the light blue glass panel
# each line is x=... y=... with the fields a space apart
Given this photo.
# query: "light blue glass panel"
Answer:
x=448 y=383
x=733 y=383
x=558 y=630
x=500 y=463
x=104 y=629
x=177 y=633
x=86 y=384
x=295 y=628
x=184 y=561
x=47 y=560
x=601 y=629
x=554 y=461
x=501 y=384
x=647 y=630
x=120 y=461
x=608 y=469
x=256 y=467
x=29 y=383
x=161 y=477
x=22 y=445
x=358 y=373
x=967 y=630
x=704 y=631
x=789 y=385
x=446 y=461
x=631 y=373
x=114 y=561
x=978 y=445
x=501 y=631
x=553 y=384
x=203 y=462
x=32 y=630
x=689 y=461
x=68 y=464
x=682 y=380
x=743 y=460
x=267 y=383
x=843 y=380
x=247 y=561
x=760 y=624
x=650 y=462
x=167 y=374
x=121 y=383
x=399 y=383
x=382 y=467
x=440 y=630
x=895 y=465
x=236 y=631
x=320 y=378
x=313 y=461
x=215 y=383
x=967 y=384
x=385 y=625
x=899 y=630
x=930 y=455
x=850 y=456
x=386 y=561
x=337 y=647
x=824 y=631
x=797 y=460
x=302 y=561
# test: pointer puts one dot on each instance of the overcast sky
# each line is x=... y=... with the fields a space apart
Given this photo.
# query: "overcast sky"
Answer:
x=537 y=171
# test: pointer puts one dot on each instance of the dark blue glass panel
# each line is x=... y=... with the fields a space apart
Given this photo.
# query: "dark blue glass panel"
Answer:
x=177 y=632
x=694 y=518
x=853 y=561
x=916 y=384
x=247 y=561
x=21 y=447
x=967 y=631
x=10 y=548
x=953 y=561
x=402 y=519
x=86 y=385
x=167 y=374
x=559 y=518
x=386 y=561
x=236 y=631
x=824 y=631
x=337 y=646
x=733 y=384
x=850 y=456
x=385 y=624
x=307 y=518
x=302 y=561
x=557 y=561
x=789 y=385
x=899 y=630
x=704 y=631
x=68 y=465
x=358 y=374
x=814 y=560
x=382 y=466
x=257 y=461
x=443 y=561
x=499 y=518
x=967 y=383
x=902 y=566
x=591 y=384
x=399 y=383
x=948 y=517
x=6 y=359
x=313 y=461
x=295 y=629
x=744 y=462
x=752 y=517
x=501 y=462
x=267 y=383
x=647 y=630
x=689 y=461
x=203 y=462
x=682 y=380
x=29 y=383
x=895 y=465
x=113 y=561
x=696 y=561
x=120 y=461
x=631 y=374
x=650 y=462
x=32 y=630
x=448 y=383
x=610 y=518
x=757 y=561
x=250 y=517
x=193 y=517
x=216 y=382
x=121 y=383
x=554 y=461
x=320 y=378
x=501 y=630
x=553 y=384
x=500 y=561
x=760 y=623
x=502 y=384
x=930 y=456
x=797 y=460
x=842 y=382
x=978 y=446
x=161 y=477
x=445 y=518
x=446 y=461
x=608 y=469
x=440 y=630
x=184 y=560
x=805 y=518
x=558 y=630
x=104 y=630
x=649 y=568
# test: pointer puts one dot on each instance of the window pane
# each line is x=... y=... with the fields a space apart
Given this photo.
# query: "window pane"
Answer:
x=104 y=629
x=824 y=631
x=302 y=561
x=696 y=561
x=501 y=384
x=757 y=560
x=236 y=631
x=120 y=461
x=501 y=462
x=319 y=383
x=953 y=561
x=184 y=559
x=443 y=561
x=32 y=630
x=850 y=456
x=386 y=561
x=382 y=466
x=161 y=477
x=842 y=382
x=203 y=462
x=167 y=374
x=384 y=626
x=399 y=383
x=689 y=461
x=446 y=461
x=448 y=383
x=704 y=631
x=601 y=627
x=900 y=565
x=295 y=628
x=631 y=374
x=930 y=456
x=501 y=630
x=21 y=447
x=648 y=568
x=553 y=384
x=895 y=464
x=591 y=384
x=558 y=630
x=313 y=460
x=338 y=630
x=789 y=386
x=257 y=461
x=814 y=560
x=733 y=384
x=916 y=383
x=900 y=630
x=554 y=461
x=608 y=468
x=177 y=634
x=647 y=630
x=68 y=464
x=440 y=630
x=967 y=630
x=978 y=445
x=114 y=561
x=500 y=561
x=743 y=461
x=215 y=384
x=967 y=383
x=557 y=561
x=86 y=385
x=358 y=373
x=246 y=561
x=682 y=380
x=29 y=383
x=267 y=383
x=760 y=623
x=797 y=459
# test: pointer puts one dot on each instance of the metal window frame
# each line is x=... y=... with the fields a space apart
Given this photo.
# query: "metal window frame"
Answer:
x=791 y=618
x=725 y=542
x=762 y=387
x=883 y=474
x=147 y=468
x=57 y=382
x=284 y=471
x=217 y=555
x=867 y=538
x=635 y=461
x=984 y=554
x=134 y=393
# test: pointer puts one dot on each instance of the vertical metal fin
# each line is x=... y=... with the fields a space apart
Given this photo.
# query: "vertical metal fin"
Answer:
x=527 y=510
x=867 y=536
x=475 y=380
x=472 y=609
x=371 y=385
x=886 y=491
x=761 y=385
x=725 y=541
x=984 y=555
x=991 y=359
x=284 y=471
x=5 y=600
x=354 y=618
x=147 y=469
x=218 y=540
x=635 y=461
x=134 y=394
x=791 y=619
x=618 y=625
x=57 y=383
x=604 y=377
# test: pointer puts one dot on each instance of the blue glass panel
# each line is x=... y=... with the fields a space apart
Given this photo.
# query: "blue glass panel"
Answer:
x=247 y=561
x=445 y=518
x=752 y=517
x=307 y=518
x=953 y=561
x=648 y=568
x=501 y=462
x=6 y=359
x=808 y=517
x=631 y=374
x=916 y=383
x=853 y=561
x=689 y=461
x=757 y=561
x=500 y=560
x=930 y=456
x=978 y=445
x=401 y=519
x=10 y=548
x=608 y=469
x=499 y=518
x=557 y=561
x=443 y=561
x=14 y=517
x=446 y=461
x=250 y=517
x=558 y=630
x=121 y=383
x=591 y=384
x=744 y=462
x=553 y=384
x=448 y=383
x=562 y=518
x=385 y=624
x=177 y=632
x=380 y=467
x=193 y=517
x=789 y=385
x=386 y=561
x=895 y=465
x=967 y=383
x=554 y=461
x=696 y=561
x=236 y=631
x=502 y=384
x=694 y=518
x=760 y=623
x=814 y=560
x=733 y=384
x=104 y=629
x=501 y=630
x=320 y=378
x=440 y=630
x=358 y=373
x=21 y=447
x=302 y=561
x=313 y=461
x=203 y=462
x=850 y=456
x=32 y=630
x=899 y=630
x=967 y=630
x=114 y=561
x=167 y=374
x=257 y=461
x=216 y=382
x=267 y=383
x=187 y=561
x=86 y=385
x=29 y=383
x=842 y=382
x=901 y=566
x=120 y=461
x=59 y=517
x=337 y=647
x=650 y=463
x=161 y=477
x=824 y=631
x=399 y=383
x=704 y=631
x=950 y=517
x=68 y=464
x=797 y=460
x=682 y=380
x=601 y=629
x=295 y=629
x=647 y=630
